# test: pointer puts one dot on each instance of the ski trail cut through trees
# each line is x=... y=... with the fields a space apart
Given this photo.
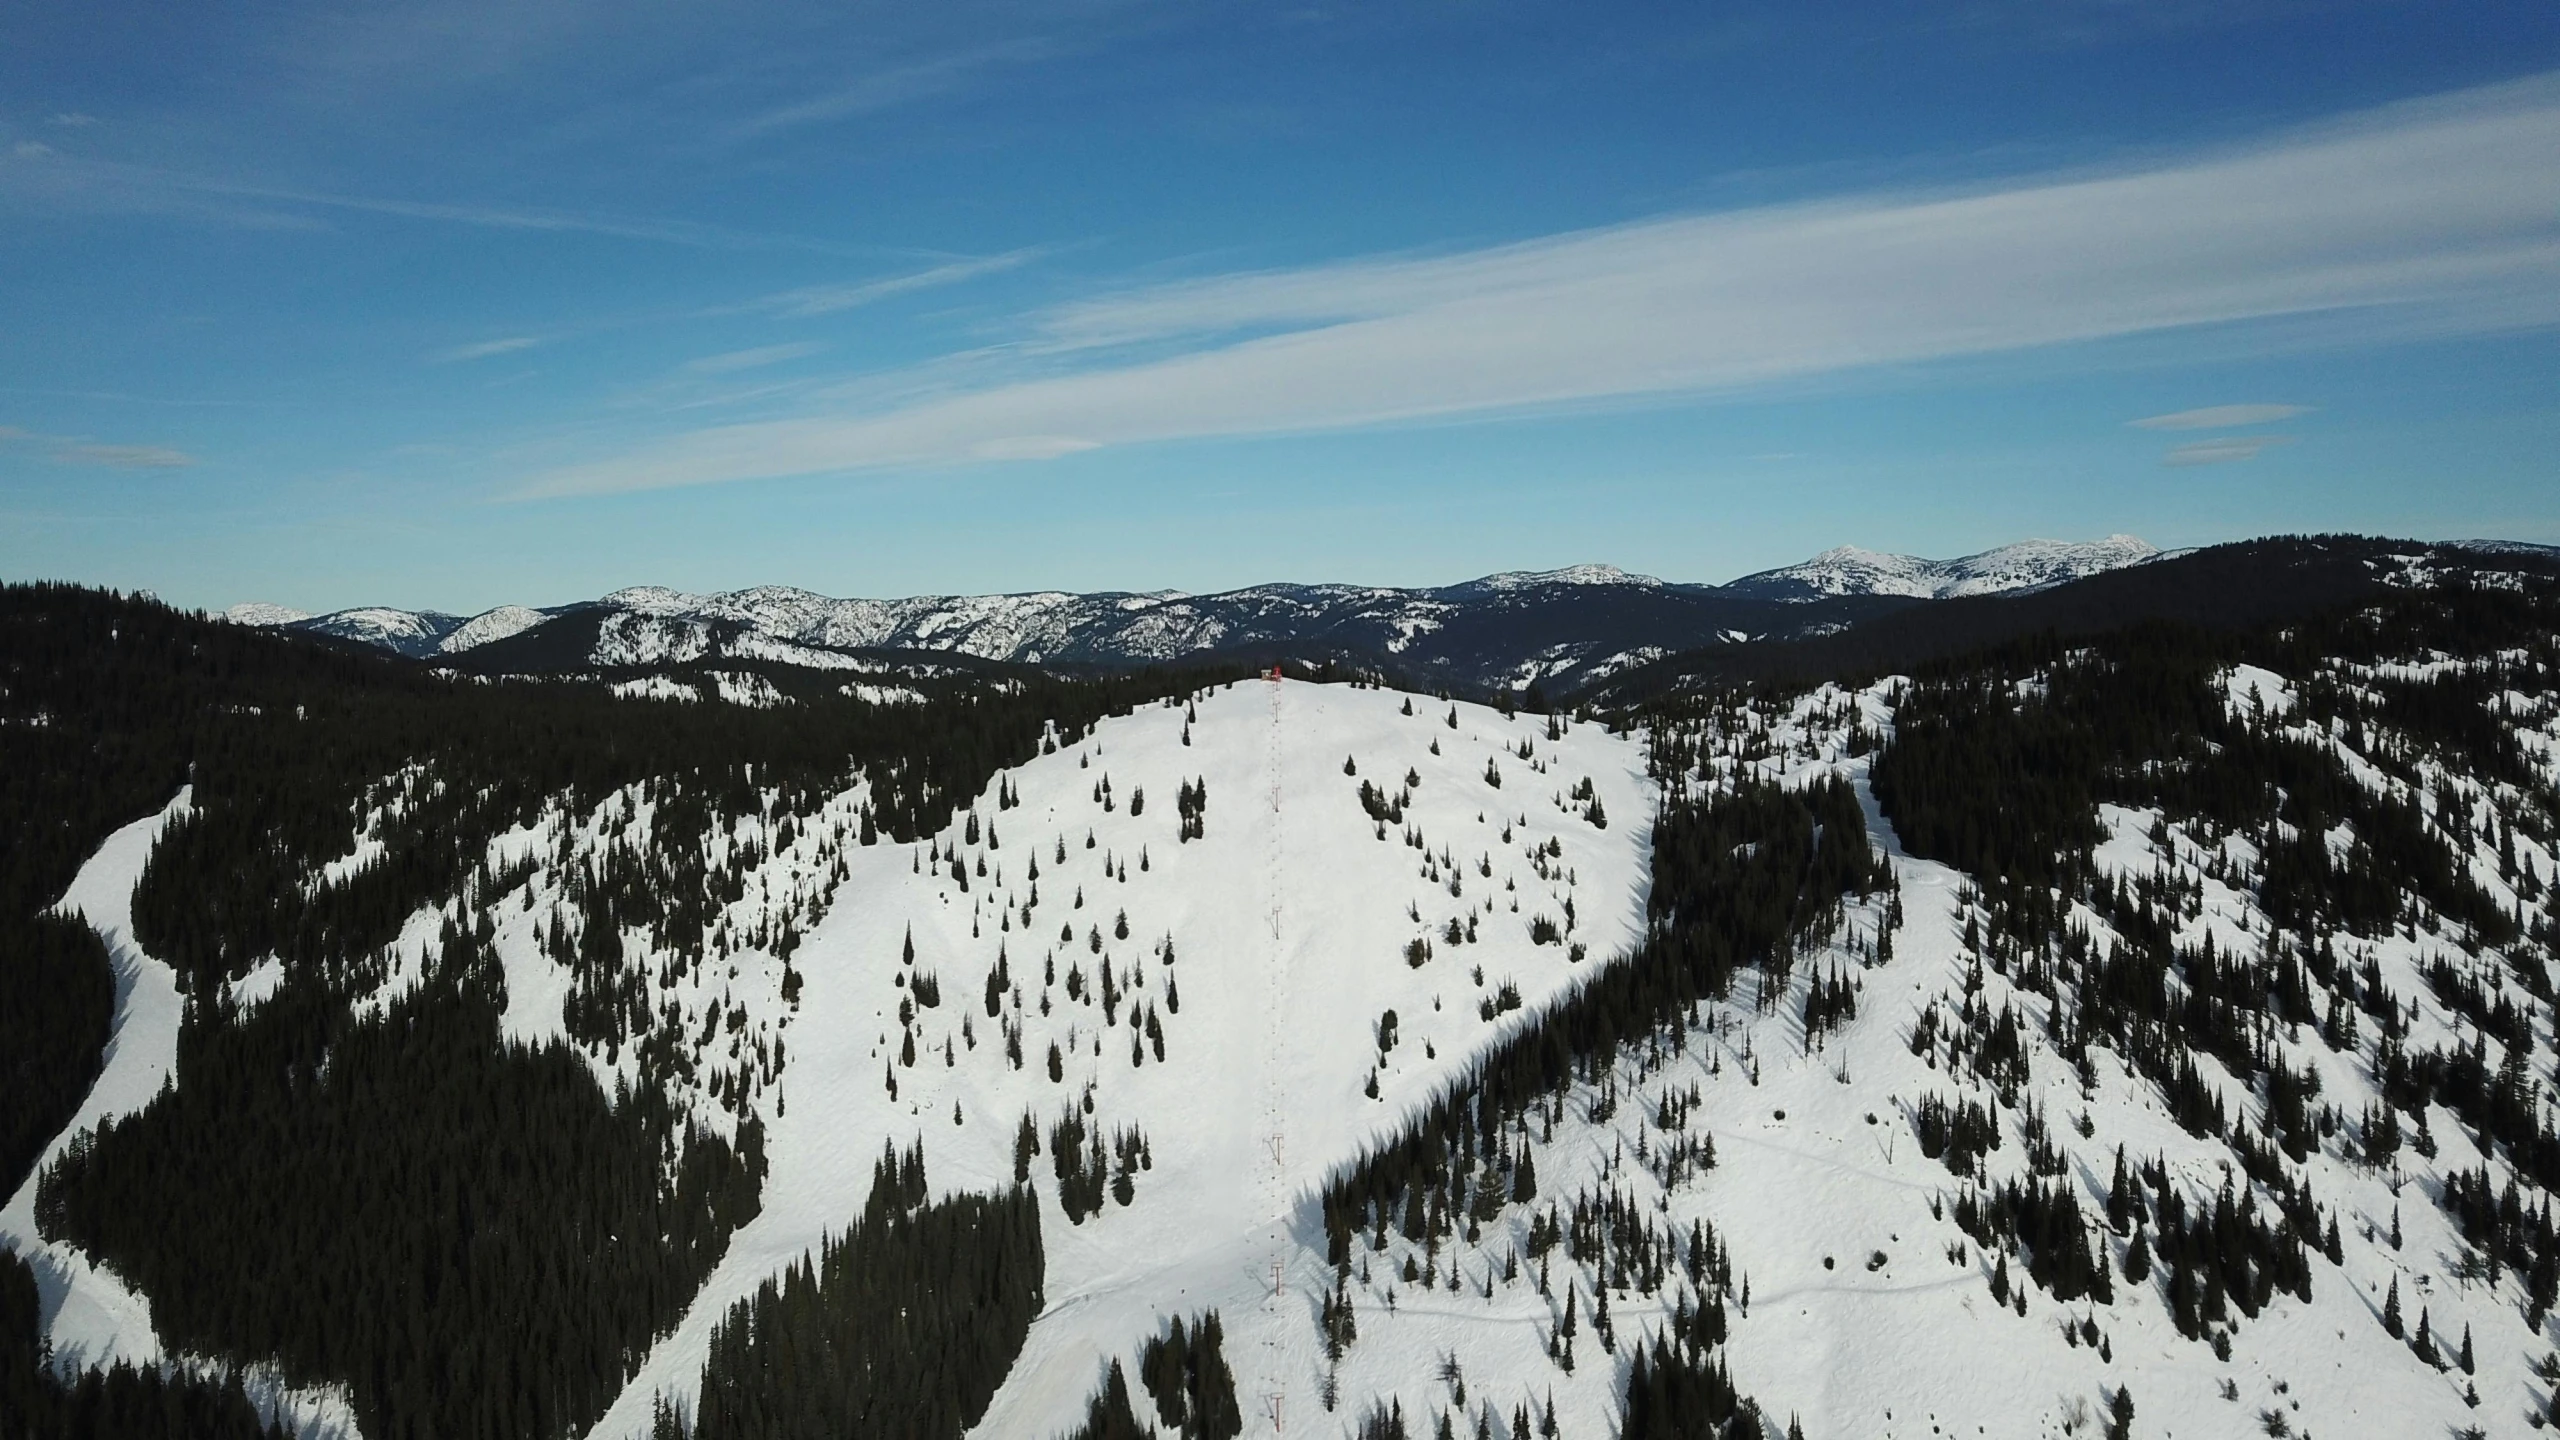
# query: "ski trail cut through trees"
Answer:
x=91 y=1319
x=1275 y=1101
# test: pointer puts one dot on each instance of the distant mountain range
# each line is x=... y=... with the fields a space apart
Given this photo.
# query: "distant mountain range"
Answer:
x=1559 y=629
x=2026 y=565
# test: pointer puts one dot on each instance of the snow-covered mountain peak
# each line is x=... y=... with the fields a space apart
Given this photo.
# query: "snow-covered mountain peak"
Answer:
x=2035 y=564
x=403 y=632
x=1569 y=575
x=259 y=612
x=2024 y=565
x=491 y=625
x=651 y=599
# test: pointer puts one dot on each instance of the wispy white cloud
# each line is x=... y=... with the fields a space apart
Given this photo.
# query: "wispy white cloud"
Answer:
x=71 y=120
x=1031 y=447
x=500 y=217
x=66 y=181
x=758 y=357
x=2220 y=417
x=2443 y=214
x=889 y=88
x=31 y=149
x=125 y=457
x=2223 y=450
x=484 y=349
x=816 y=300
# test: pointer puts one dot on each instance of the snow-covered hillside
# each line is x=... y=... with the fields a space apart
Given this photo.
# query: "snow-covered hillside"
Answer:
x=2025 y=565
x=1860 y=1304
x=1225 y=997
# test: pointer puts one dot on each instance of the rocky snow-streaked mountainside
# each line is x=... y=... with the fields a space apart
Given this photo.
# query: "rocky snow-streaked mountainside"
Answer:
x=1556 y=628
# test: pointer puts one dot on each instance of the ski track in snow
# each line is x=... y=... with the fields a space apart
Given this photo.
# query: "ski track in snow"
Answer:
x=91 y=1318
x=1289 y=922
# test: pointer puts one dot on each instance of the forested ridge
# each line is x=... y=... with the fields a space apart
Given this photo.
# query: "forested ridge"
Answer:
x=466 y=1233
x=2374 y=802
x=105 y=704
x=2242 y=588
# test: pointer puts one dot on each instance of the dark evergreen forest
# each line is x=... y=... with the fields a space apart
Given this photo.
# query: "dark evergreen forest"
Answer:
x=905 y=1324
x=1193 y=1393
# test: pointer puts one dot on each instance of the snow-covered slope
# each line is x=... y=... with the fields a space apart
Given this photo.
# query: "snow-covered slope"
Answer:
x=2026 y=565
x=93 y=1319
x=1265 y=953
x=1860 y=1304
x=490 y=625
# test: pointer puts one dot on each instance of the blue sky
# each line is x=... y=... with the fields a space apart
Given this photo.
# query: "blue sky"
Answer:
x=458 y=302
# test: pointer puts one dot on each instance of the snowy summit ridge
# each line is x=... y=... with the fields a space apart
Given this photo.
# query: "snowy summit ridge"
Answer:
x=2025 y=565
